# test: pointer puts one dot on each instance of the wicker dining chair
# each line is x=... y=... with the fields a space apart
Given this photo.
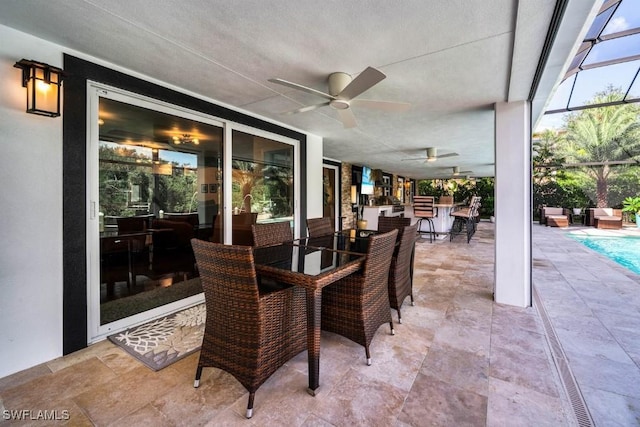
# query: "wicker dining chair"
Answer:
x=271 y=233
x=388 y=223
x=248 y=333
x=358 y=304
x=400 y=286
x=320 y=226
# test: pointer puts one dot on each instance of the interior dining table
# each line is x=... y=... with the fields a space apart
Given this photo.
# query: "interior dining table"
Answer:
x=310 y=267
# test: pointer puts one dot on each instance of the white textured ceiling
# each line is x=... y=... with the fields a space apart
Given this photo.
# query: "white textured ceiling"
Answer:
x=452 y=60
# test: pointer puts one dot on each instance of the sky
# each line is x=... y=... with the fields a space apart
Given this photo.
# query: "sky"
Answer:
x=589 y=82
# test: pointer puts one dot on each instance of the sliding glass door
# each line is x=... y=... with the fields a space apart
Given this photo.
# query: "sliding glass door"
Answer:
x=159 y=176
x=155 y=176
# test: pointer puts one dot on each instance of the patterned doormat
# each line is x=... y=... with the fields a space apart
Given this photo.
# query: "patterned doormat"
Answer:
x=162 y=342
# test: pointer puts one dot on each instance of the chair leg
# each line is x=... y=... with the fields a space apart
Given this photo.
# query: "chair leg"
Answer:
x=432 y=227
x=399 y=317
x=196 y=382
x=250 y=404
x=393 y=331
x=366 y=351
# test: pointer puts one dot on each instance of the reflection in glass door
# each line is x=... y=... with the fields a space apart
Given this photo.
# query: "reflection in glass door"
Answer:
x=262 y=184
x=331 y=194
x=158 y=185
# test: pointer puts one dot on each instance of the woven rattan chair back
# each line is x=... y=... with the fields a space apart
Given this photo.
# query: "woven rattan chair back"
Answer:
x=248 y=333
x=400 y=270
x=319 y=226
x=357 y=305
x=271 y=233
x=388 y=223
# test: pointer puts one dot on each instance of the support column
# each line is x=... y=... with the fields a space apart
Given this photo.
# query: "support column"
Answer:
x=513 y=203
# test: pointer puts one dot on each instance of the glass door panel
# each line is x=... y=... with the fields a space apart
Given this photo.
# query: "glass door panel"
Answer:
x=262 y=184
x=159 y=185
x=331 y=195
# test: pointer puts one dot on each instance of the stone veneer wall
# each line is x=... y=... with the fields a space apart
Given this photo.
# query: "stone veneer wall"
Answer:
x=345 y=173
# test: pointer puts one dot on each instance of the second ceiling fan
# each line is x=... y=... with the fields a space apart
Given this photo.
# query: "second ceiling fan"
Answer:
x=342 y=93
x=432 y=155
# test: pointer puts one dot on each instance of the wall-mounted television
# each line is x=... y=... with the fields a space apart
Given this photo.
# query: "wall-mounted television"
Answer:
x=367 y=182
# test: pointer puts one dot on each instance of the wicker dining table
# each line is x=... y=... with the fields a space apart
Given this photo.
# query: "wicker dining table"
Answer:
x=312 y=268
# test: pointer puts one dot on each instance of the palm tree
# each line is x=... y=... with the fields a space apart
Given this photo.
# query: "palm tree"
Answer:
x=547 y=164
x=598 y=138
x=246 y=175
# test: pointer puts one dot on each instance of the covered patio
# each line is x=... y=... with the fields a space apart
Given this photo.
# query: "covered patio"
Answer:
x=458 y=358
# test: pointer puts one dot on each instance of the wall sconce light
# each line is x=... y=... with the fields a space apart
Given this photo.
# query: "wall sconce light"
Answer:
x=354 y=200
x=43 y=87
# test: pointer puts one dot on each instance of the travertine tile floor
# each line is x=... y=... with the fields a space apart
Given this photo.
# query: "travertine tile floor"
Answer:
x=594 y=306
x=458 y=359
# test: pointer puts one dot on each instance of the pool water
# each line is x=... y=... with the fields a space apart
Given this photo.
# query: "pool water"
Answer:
x=623 y=250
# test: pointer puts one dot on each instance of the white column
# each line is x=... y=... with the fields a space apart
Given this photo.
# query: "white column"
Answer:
x=513 y=203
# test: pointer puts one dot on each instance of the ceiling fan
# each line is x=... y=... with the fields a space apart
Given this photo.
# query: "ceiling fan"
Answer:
x=432 y=155
x=458 y=172
x=342 y=93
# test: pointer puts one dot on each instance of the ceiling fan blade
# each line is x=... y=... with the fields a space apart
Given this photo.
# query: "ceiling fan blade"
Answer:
x=302 y=88
x=447 y=155
x=307 y=108
x=347 y=118
x=414 y=158
x=364 y=81
x=381 y=105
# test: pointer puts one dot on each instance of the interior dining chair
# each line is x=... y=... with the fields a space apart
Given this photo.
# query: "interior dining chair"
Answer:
x=424 y=209
x=133 y=230
x=357 y=305
x=249 y=333
x=400 y=286
x=320 y=226
x=271 y=233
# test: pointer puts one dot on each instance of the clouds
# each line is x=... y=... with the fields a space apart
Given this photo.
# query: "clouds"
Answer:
x=617 y=24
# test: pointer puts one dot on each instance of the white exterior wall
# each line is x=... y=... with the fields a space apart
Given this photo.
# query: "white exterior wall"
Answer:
x=513 y=204
x=31 y=285
x=31 y=218
x=314 y=180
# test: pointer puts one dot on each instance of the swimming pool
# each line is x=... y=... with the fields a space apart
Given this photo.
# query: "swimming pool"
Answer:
x=625 y=250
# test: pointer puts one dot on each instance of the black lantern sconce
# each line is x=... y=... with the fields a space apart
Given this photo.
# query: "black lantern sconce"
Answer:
x=43 y=87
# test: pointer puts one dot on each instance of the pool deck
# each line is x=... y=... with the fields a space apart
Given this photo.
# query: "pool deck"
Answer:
x=593 y=305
